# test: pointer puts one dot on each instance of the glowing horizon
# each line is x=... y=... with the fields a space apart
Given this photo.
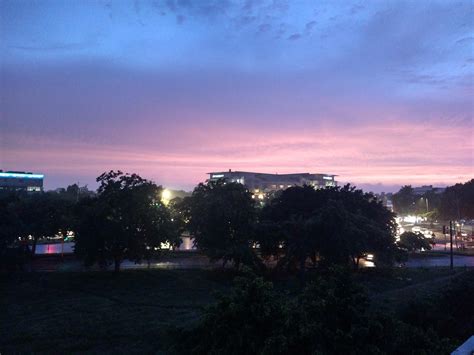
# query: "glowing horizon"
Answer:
x=374 y=93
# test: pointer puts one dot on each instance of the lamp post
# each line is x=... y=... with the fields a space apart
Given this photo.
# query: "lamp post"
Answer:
x=426 y=203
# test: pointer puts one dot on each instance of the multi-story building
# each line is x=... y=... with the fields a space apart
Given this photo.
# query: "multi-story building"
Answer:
x=421 y=190
x=21 y=181
x=265 y=183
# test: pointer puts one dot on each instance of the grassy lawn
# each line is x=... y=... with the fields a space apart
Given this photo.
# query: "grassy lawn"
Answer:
x=65 y=312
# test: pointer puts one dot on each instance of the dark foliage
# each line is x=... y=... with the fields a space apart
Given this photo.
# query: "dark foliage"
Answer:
x=221 y=217
x=330 y=316
x=411 y=241
x=35 y=215
x=450 y=313
x=336 y=225
x=457 y=202
x=404 y=201
x=125 y=220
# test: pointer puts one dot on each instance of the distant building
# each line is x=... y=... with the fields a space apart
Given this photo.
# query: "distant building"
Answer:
x=264 y=183
x=21 y=181
x=386 y=199
x=421 y=190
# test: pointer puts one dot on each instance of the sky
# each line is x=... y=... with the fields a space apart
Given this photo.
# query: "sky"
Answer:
x=379 y=93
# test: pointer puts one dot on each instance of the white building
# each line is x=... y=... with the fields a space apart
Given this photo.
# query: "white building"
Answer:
x=263 y=182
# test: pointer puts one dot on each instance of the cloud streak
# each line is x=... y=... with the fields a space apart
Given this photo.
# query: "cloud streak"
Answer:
x=379 y=93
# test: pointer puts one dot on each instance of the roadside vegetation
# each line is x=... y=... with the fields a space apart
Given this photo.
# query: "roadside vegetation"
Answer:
x=455 y=203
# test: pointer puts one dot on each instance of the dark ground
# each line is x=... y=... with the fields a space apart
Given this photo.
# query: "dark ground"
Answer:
x=67 y=312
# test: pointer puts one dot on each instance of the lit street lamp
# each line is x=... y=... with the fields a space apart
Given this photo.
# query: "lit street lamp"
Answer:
x=166 y=196
x=426 y=202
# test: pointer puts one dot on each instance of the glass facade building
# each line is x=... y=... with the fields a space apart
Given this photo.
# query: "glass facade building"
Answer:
x=21 y=181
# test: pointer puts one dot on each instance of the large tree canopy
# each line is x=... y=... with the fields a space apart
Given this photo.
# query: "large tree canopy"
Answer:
x=126 y=219
x=457 y=201
x=221 y=218
x=333 y=225
x=411 y=241
x=404 y=200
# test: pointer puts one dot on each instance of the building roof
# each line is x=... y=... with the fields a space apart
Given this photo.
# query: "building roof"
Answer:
x=20 y=175
x=268 y=174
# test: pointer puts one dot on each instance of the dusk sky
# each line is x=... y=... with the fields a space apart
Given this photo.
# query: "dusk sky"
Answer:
x=377 y=92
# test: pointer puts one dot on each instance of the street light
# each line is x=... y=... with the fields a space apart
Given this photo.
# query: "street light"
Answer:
x=165 y=196
x=426 y=202
x=426 y=199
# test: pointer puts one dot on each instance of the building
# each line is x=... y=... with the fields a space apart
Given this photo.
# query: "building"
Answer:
x=422 y=190
x=21 y=181
x=265 y=183
x=386 y=199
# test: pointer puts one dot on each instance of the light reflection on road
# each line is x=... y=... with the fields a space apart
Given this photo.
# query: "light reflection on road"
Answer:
x=193 y=261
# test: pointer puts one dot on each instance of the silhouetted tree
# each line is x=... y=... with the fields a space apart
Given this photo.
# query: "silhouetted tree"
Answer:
x=126 y=219
x=411 y=241
x=42 y=215
x=457 y=201
x=333 y=225
x=221 y=218
x=240 y=322
x=10 y=224
x=25 y=216
x=13 y=252
x=404 y=201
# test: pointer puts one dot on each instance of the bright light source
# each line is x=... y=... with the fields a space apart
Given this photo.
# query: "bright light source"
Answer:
x=166 y=194
x=165 y=246
x=413 y=219
x=261 y=196
x=369 y=264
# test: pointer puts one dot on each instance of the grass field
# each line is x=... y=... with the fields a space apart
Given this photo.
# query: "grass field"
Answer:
x=70 y=312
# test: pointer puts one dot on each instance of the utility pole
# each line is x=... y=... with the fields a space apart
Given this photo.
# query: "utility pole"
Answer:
x=445 y=231
x=451 y=244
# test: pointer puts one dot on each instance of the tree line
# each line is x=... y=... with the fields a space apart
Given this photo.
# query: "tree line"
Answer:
x=297 y=228
x=454 y=203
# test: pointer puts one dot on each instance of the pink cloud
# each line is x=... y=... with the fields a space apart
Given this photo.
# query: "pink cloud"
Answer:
x=388 y=153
